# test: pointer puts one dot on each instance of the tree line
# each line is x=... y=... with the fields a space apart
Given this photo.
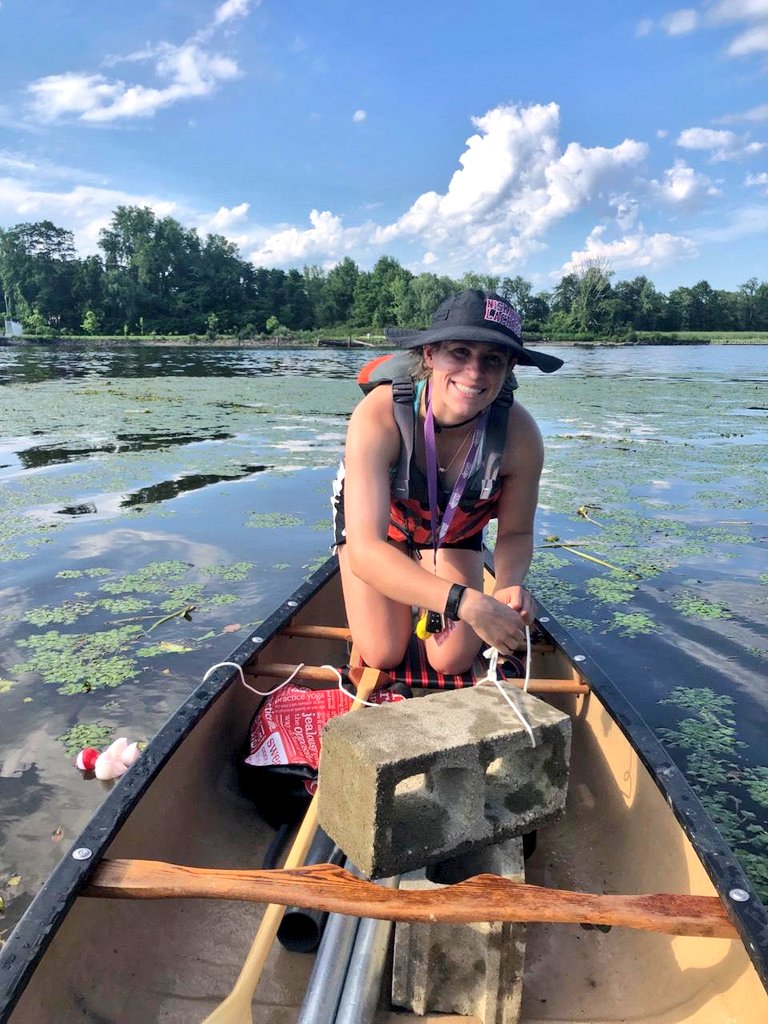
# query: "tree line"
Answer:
x=154 y=276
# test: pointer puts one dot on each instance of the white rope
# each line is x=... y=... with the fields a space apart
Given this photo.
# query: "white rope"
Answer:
x=491 y=676
x=260 y=693
x=352 y=696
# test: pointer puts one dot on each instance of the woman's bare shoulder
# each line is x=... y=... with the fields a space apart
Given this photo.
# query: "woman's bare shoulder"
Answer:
x=523 y=438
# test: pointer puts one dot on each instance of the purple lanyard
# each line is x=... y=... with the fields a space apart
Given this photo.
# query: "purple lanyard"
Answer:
x=440 y=530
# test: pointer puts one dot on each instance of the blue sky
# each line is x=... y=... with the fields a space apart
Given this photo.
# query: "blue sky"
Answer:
x=508 y=138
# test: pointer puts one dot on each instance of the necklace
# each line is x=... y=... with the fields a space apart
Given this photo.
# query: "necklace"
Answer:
x=459 y=450
x=440 y=427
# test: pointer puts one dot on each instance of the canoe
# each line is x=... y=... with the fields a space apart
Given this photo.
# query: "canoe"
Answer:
x=632 y=826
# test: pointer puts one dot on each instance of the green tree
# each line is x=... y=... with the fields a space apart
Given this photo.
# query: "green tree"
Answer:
x=338 y=294
x=90 y=322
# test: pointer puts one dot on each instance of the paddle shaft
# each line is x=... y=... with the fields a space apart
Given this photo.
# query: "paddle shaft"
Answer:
x=236 y=1007
x=481 y=898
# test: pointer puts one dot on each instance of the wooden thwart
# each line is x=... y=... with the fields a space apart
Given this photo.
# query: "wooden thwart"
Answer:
x=482 y=898
x=317 y=674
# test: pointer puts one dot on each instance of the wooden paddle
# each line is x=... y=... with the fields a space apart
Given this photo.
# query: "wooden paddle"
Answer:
x=481 y=898
x=237 y=1007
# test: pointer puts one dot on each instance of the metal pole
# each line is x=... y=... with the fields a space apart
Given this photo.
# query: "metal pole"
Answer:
x=321 y=999
x=362 y=985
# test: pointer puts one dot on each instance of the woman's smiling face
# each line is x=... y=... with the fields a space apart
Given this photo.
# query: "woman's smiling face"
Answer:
x=466 y=377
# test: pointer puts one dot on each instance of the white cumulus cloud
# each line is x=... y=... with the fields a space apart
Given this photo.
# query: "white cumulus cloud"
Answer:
x=189 y=70
x=358 y=116
x=681 y=185
x=758 y=181
x=636 y=251
x=754 y=114
x=721 y=144
x=231 y=9
x=753 y=40
x=326 y=239
x=513 y=185
x=679 y=23
x=183 y=71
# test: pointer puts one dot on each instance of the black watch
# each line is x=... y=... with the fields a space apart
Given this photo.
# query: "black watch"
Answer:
x=455 y=595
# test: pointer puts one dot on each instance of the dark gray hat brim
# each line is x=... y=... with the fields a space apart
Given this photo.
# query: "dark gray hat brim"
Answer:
x=526 y=356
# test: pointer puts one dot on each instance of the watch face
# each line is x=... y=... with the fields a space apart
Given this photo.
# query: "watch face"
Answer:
x=434 y=622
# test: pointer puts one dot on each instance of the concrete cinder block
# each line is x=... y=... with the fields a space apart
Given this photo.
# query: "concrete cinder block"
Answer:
x=409 y=784
x=470 y=969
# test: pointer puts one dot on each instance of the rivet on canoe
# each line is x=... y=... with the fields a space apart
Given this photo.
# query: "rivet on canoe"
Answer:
x=579 y=657
x=739 y=895
x=82 y=853
x=292 y=604
x=257 y=639
x=544 y=618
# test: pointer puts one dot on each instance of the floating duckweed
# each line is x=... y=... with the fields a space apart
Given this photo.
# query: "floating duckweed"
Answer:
x=86 y=734
x=75 y=574
x=756 y=781
x=633 y=624
x=189 y=594
x=63 y=614
x=613 y=589
x=6 y=685
x=234 y=573
x=272 y=520
x=322 y=526
x=123 y=605
x=700 y=608
x=78 y=662
x=149 y=579
x=220 y=599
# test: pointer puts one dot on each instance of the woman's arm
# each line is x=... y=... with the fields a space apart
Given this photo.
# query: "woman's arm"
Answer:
x=521 y=471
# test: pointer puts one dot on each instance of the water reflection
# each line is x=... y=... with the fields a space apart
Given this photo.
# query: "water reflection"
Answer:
x=52 y=455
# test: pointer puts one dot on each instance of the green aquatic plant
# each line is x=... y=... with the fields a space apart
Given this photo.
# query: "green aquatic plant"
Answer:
x=633 y=624
x=152 y=578
x=81 y=662
x=272 y=520
x=714 y=767
x=123 y=605
x=700 y=608
x=86 y=734
x=614 y=589
x=236 y=572
x=6 y=685
x=75 y=574
x=63 y=614
x=756 y=781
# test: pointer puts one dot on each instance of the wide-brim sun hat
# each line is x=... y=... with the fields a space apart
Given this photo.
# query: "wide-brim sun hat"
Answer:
x=473 y=315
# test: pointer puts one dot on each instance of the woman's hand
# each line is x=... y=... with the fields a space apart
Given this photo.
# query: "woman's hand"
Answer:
x=497 y=623
x=519 y=599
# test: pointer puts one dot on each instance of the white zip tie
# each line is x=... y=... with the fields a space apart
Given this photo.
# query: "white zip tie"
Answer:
x=260 y=693
x=352 y=696
x=492 y=677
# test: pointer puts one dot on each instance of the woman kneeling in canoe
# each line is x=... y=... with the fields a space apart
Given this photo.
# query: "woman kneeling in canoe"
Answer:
x=426 y=467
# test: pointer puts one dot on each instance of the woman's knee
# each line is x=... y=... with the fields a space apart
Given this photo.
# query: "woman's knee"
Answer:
x=381 y=654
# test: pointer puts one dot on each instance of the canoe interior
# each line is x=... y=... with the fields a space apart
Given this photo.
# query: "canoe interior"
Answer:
x=175 y=960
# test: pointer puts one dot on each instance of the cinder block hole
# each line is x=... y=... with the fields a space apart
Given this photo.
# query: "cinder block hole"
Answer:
x=432 y=812
x=410 y=786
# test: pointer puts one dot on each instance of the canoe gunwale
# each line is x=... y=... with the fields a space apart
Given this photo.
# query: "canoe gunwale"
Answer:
x=36 y=929
x=749 y=917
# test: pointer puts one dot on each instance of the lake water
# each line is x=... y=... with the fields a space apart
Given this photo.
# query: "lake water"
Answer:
x=137 y=483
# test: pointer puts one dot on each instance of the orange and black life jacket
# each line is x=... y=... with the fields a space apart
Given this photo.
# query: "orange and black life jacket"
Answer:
x=410 y=518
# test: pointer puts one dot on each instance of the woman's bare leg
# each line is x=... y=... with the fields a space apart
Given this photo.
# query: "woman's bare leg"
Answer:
x=380 y=627
x=455 y=651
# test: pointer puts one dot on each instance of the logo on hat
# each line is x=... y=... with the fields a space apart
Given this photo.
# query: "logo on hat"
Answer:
x=500 y=312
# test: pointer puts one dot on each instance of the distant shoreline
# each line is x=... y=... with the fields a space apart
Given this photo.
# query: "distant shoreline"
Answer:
x=119 y=341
